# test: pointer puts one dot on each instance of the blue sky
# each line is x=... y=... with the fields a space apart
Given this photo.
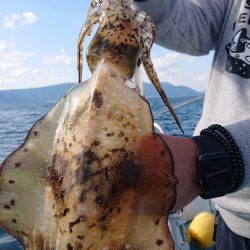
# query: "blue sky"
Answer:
x=38 y=47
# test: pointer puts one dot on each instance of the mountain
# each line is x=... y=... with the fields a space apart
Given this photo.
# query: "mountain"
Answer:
x=50 y=93
x=170 y=90
x=55 y=92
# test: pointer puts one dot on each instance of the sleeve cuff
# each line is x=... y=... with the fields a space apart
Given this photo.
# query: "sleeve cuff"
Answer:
x=241 y=134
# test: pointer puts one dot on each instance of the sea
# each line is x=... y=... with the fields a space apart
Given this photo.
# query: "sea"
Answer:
x=17 y=118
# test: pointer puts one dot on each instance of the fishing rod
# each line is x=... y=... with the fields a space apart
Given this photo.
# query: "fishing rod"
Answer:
x=192 y=100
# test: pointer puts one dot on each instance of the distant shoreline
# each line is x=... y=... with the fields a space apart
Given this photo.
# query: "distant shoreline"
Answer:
x=55 y=92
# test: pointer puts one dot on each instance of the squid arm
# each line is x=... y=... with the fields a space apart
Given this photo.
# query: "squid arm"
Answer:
x=86 y=29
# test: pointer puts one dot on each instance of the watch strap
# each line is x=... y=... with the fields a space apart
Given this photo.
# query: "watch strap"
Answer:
x=207 y=144
x=214 y=168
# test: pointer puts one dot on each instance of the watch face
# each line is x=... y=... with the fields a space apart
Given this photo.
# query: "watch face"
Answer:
x=215 y=173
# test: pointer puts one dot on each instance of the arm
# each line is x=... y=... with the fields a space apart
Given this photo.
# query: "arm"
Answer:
x=185 y=152
x=186 y=26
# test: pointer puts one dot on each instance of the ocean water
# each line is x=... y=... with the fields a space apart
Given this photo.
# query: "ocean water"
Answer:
x=17 y=118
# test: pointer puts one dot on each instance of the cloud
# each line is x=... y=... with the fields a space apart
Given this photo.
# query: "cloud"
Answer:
x=17 y=70
x=15 y=20
x=3 y=46
x=12 y=65
x=170 y=59
x=10 y=55
x=173 y=67
x=12 y=73
x=201 y=77
x=60 y=58
x=16 y=56
x=166 y=66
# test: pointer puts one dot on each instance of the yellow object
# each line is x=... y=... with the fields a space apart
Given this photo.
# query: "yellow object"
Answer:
x=201 y=230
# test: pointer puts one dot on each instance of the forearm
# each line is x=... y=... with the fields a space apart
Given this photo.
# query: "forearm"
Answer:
x=185 y=152
x=186 y=26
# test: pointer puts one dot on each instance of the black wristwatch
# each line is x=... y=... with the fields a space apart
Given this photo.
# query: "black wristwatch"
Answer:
x=214 y=168
x=220 y=164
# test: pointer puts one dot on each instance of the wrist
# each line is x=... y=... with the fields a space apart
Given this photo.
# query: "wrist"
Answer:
x=185 y=153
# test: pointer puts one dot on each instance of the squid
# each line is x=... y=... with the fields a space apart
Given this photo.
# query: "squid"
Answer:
x=92 y=174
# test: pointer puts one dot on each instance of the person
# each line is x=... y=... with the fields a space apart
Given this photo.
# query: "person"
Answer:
x=196 y=27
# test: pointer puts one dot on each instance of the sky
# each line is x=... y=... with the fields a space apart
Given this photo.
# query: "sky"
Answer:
x=38 y=42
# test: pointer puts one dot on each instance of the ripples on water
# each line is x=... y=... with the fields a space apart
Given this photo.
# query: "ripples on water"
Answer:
x=17 y=119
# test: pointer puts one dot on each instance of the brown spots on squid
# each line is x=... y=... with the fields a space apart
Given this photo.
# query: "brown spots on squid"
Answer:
x=121 y=134
x=95 y=144
x=79 y=113
x=97 y=98
x=35 y=133
x=82 y=197
x=104 y=227
x=25 y=150
x=105 y=215
x=11 y=204
x=14 y=221
x=65 y=150
x=65 y=212
x=99 y=200
x=17 y=164
x=69 y=247
x=81 y=218
x=81 y=237
x=6 y=206
x=110 y=134
x=12 y=182
x=157 y=222
x=159 y=242
x=56 y=179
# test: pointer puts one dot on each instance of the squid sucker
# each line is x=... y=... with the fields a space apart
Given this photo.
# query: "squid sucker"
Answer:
x=92 y=174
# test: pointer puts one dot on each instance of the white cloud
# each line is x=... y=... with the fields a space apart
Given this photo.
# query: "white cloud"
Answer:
x=60 y=58
x=12 y=66
x=3 y=46
x=170 y=59
x=17 y=70
x=166 y=67
x=201 y=77
x=9 y=55
x=170 y=67
x=16 y=56
x=15 y=20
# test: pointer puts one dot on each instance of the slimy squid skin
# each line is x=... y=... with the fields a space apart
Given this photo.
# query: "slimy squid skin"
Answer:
x=92 y=174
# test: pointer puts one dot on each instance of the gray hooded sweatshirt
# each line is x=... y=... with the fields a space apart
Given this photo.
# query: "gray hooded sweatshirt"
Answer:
x=195 y=27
